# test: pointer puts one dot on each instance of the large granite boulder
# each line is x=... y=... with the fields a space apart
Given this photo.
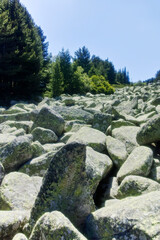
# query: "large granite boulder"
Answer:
x=12 y=222
x=90 y=137
x=16 y=153
x=130 y=218
x=127 y=135
x=18 y=191
x=149 y=132
x=139 y=163
x=102 y=121
x=55 y=226
x=116 y=150
x=70 y=182
x=136 y=185
x=38 y=166
x=48 y=118
x=44 y=135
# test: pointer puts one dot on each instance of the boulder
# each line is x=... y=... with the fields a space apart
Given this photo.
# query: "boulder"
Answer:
x=127 y=135
x=90 y=137
x=44 y=135
x=16 y=153
x=102 y=121
x=116 y=150
x=70 y=182
x=55 y=226
x=139 y=163
x=130 y=218
x=18 y=191
x=26 y=125
x=149 y=132
x=20 y=236
x=38 y=166
x=136 y=185
x=72 y=113
x=48 y=118
x=12 y=222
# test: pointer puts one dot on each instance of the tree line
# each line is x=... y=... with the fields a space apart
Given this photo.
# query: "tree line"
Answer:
x=27 y=70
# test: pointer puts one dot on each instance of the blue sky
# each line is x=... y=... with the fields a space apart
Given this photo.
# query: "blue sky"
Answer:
x=127 y=32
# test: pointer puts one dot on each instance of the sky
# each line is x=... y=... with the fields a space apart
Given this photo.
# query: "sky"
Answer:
x=126 y=32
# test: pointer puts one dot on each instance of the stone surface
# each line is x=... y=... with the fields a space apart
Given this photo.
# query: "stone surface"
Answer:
x=127 y=134
x=38 y=166
x=139 y=163
x=130 y=218
x=15 y=153
x=48 y=118
x=20 y=236
x=55 y=226
x=102 y=121
x=44 y=135
x=116 y=150
x=2 y=172
x=90 y=137
x=149 y=132
x=66 y=186
x=18 y=191
x=136 y=185
x=12 y=222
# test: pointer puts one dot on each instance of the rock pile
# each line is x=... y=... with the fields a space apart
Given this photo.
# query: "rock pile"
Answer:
x=82 y=167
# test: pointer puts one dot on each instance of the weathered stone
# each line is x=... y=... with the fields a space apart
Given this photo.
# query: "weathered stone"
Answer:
x=20 y=236
x=71 y=113
x=127 y=135
x=37 y=149
x=16 y=153
x=102 y=121
x=116 y=150
x=55 y=226
x=149 y=132
x=38 y=166
x=2 y=172
x=44 y=135
x=18 y=191
x=48 y=118
x=130 y=218
x=53 y=147
x=136 y=185
x=67 y=187
x=26 y=125
x=111 y=189
x=12 y=222
x=90 y=137
x=139 y=163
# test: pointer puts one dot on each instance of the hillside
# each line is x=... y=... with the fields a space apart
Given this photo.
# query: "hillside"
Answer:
x=82 y=167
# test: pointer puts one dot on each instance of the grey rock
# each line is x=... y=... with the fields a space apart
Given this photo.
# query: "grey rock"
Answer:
x=18 y=191
x=55 y=226
x=90 y=137
x=44 y=135
x=139 y=163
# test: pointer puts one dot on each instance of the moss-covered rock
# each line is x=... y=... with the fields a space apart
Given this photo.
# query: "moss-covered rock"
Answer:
x=44 y=135
x=136 y=185
x=130 y=218
x=90 y=137
x=18 y=191
x=139 y=163
x=12 y=222
x=49 y=119
x=102 y=121
x=16 y=153
x=66 y=186
x=116 y=150
x=55 y=226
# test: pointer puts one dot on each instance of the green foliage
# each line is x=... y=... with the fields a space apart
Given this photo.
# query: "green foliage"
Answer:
x=122 y=77
x=82 y=58
x=98 y=84
x=22 y=52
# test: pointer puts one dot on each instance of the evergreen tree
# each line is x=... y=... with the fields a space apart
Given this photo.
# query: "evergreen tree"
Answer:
x=21 y=52
x=122 y=77
x=57 y=80
x=66 y=69
x=82 y=58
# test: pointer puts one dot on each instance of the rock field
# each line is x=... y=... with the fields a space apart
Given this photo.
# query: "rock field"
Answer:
x=82 y=167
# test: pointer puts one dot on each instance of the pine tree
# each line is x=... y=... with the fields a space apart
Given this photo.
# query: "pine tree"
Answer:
x=21 y=52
